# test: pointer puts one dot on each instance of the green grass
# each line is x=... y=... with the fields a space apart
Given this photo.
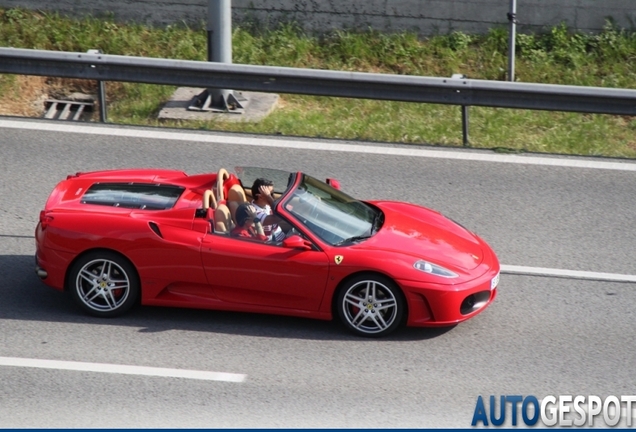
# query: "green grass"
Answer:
x=557 y=56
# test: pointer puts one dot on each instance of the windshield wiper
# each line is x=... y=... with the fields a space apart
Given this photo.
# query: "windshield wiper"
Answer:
x=352 y=239
x=378 y=220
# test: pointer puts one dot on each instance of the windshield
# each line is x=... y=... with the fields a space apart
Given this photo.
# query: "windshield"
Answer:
x=330 y=214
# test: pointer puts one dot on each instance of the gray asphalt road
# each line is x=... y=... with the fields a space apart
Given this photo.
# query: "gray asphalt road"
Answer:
x=542 y=336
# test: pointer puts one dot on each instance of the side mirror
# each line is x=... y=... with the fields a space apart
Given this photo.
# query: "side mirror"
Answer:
x=333 y=183
x=296 y=242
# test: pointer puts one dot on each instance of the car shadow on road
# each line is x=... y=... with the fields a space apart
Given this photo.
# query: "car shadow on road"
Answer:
x=27 y=298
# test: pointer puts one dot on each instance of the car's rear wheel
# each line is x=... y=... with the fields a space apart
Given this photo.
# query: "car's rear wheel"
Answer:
x=104 y=284
x=371 y=306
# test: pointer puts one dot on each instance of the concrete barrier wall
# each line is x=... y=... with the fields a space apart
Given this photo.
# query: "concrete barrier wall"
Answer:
x=422 y=16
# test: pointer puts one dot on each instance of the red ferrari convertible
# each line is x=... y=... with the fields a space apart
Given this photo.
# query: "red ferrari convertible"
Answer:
x=114 y=239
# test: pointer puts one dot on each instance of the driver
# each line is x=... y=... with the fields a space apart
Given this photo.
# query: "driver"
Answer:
x=262 y=191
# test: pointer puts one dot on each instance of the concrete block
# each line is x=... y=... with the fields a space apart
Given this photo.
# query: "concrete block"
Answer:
x=259 y=106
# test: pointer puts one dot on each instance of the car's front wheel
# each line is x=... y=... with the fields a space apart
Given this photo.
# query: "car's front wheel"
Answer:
x=104 y=284
x=371 y=305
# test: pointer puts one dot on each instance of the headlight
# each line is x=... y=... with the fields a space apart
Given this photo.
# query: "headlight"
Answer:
x=494 y=282
x=434 y=269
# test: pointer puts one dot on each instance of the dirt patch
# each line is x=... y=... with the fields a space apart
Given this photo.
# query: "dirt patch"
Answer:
x=26 y=95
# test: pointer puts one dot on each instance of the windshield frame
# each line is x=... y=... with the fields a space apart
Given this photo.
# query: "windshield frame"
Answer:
x=329 y=215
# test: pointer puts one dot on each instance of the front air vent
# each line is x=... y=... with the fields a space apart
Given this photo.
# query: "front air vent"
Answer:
x=474 y=302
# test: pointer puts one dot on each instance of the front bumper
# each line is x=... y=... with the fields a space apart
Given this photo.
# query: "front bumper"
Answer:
x=433 y=305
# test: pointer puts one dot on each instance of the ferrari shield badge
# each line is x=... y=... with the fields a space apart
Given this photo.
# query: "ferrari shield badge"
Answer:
x=338 y=259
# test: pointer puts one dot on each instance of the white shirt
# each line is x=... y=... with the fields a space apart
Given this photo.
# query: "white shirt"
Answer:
x=273 y=231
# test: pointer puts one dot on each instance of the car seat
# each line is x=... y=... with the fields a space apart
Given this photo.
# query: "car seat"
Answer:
x=217 y=213
x=235 y=197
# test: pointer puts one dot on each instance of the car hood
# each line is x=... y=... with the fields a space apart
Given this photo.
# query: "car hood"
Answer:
x=426 y=234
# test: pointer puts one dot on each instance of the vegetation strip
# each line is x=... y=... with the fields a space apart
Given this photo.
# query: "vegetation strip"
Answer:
x=558 y=56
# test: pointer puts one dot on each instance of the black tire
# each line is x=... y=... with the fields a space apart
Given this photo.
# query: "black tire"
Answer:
x=371 y=306
x=104 y=284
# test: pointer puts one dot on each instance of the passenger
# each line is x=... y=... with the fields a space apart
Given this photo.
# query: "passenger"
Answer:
x=262 y=200
x=248 y=225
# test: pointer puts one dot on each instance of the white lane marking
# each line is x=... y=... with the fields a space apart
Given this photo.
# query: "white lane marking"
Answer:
x=121 y=369
x=573 y=274
x=213 y=138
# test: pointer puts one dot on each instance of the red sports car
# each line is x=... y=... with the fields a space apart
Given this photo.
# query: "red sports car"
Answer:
x=160 y=237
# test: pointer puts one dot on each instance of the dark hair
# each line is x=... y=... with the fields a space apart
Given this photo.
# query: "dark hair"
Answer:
x=241 y=214
x=257 y=184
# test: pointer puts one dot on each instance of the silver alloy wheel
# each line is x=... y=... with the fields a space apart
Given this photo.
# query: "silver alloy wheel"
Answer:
x=370 y=307
x=102 y=285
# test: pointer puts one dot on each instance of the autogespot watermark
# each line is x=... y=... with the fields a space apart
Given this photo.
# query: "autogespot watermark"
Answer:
x=562 y=410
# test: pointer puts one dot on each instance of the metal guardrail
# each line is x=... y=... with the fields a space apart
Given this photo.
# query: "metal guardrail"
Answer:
x=454 y=91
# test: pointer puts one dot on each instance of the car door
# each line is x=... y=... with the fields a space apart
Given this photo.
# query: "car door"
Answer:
x=250 y=272
x=168 y=260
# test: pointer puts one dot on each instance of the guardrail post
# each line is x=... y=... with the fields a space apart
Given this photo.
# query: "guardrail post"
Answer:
x=512 y=17
x=465 y=126
x=219 y=29
x=464 y=115
x=101 y=94
x=103 y=113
